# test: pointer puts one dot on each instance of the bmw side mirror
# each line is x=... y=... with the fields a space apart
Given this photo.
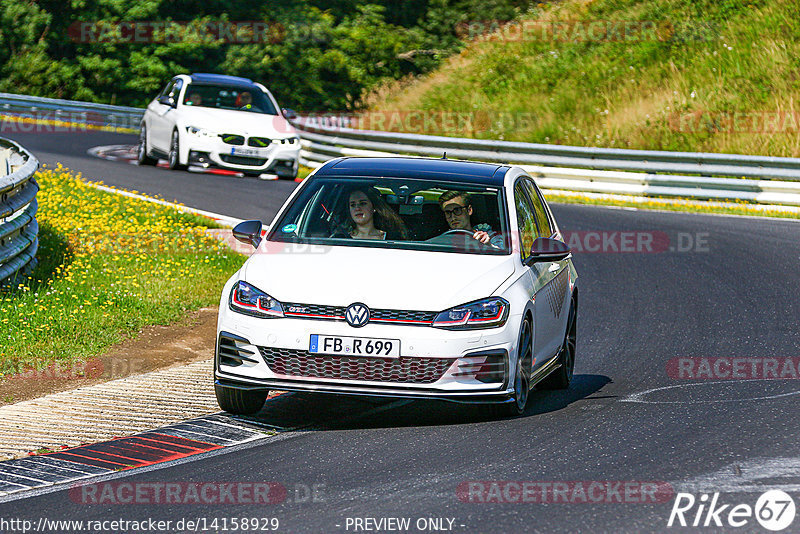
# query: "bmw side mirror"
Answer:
x=548 y=249
x=248 y=232
x=167 y=101
x=289 y=114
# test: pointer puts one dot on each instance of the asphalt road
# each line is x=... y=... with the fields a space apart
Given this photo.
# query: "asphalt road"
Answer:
x=241 y=198
x=627 y=417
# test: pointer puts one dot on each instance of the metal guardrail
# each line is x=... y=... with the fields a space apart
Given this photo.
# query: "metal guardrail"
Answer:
x=19 y=230
x=70 y=111
x=761 y=179
x=697 y=175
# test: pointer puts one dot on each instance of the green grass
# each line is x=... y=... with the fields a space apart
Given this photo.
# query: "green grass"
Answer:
x=710 y=59
x=108 y=266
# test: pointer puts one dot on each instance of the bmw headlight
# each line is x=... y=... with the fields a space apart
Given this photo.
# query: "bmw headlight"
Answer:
x=485 y=313
x=200 y=132
x=251 y=301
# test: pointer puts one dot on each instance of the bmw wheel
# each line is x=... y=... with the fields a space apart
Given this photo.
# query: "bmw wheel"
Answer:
x=174 y=153
x=239 y=401
x=522 y=375
x=142 y=152
x=561 y=377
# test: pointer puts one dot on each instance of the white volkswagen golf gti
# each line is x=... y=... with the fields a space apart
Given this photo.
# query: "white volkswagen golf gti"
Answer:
x=217 y=121
x=401 y=277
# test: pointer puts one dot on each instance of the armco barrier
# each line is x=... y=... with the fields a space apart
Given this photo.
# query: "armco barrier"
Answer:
x=19 y=230
x=70 y=111
x=696 y=175
x=761 y=179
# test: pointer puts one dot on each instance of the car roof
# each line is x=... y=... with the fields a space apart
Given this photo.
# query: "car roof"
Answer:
x=439 y=170
x=204 y=77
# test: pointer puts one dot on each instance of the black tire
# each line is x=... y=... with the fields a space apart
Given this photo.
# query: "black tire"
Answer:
x=292 y=176
x=522 y=375
x=174 y=158
x=142 y=150
x=239 y=401
x=562 y=377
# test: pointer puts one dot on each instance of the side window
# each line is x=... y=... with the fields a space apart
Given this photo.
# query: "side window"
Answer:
x=525 y=220
x=538 y=207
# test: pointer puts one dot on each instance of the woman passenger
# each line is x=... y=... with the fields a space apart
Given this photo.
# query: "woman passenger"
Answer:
x=370 y=217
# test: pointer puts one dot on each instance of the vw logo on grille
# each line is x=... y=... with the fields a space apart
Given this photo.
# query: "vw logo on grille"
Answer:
x=357 y=315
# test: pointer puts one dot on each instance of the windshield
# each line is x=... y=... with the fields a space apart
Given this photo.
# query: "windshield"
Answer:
x=228 y=97
x=397 y=213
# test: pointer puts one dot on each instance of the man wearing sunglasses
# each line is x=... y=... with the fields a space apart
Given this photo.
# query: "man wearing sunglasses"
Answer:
x=457 y=209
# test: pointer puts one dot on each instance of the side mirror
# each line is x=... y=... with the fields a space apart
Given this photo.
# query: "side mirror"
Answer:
x=167 y=101
x=248 y=232
x=548 y=249
x=289 y=114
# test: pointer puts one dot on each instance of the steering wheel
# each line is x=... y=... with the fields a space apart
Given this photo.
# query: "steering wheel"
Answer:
x=442 y=238
x=457 y=231
x=466 y=235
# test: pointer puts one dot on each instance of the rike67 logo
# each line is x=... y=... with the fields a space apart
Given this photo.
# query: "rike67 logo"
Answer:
x=774 y=510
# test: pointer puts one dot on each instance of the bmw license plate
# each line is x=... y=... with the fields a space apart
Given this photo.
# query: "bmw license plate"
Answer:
x=354 y=346
x=253 y=152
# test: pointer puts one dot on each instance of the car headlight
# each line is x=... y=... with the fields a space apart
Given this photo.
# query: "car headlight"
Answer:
x=485 y=313
x=251 y=301
x=200 y=132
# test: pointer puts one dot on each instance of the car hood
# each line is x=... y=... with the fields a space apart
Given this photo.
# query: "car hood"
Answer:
x=380 y=278
x=239 y=122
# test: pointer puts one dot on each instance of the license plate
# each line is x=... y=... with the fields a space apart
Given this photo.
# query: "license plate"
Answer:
x=354 y=346
x=257 y=152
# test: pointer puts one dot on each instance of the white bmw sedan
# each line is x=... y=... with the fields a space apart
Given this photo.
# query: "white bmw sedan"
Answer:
x=216 y=121
x=401 y=277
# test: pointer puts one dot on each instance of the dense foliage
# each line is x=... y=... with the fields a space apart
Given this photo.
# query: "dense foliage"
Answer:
x=320 y=54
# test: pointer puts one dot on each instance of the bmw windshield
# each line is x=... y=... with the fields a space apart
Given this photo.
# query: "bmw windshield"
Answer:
x=397 y=213
x=249 y=99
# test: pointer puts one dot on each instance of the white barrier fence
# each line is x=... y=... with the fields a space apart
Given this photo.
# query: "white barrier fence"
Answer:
x=764 y=180
x=760 y=179
x=19 y=230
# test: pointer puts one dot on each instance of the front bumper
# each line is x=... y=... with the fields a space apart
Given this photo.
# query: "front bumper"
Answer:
x=488 y=397
x=278 y=158
x=464 y=355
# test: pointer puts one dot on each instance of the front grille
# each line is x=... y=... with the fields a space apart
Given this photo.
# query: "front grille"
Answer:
x=336 y=313
x=314 y=311
x=260 y=142
x=232 y=139
x=301 y=363
x=402 y=316
x=242 y=160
